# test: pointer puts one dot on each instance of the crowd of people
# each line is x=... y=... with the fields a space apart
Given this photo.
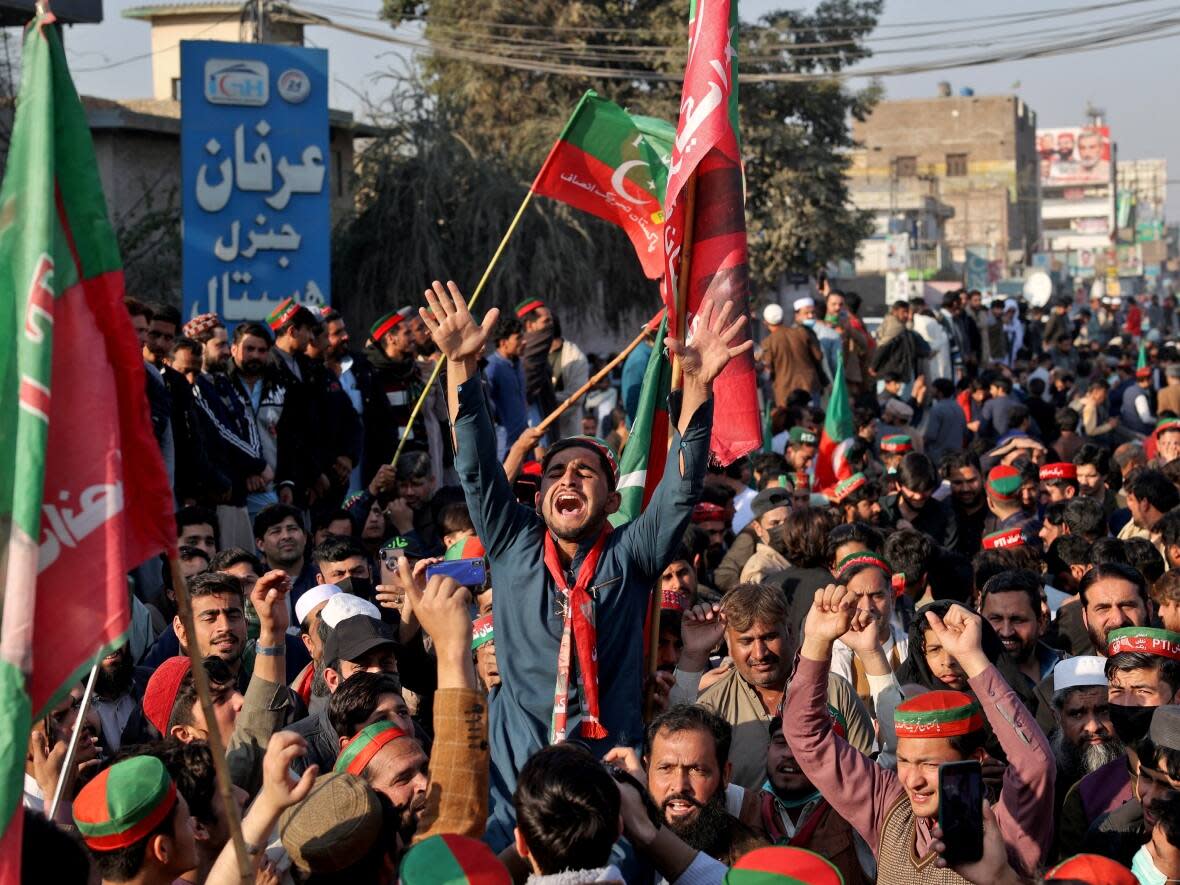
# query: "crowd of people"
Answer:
x=440 y=671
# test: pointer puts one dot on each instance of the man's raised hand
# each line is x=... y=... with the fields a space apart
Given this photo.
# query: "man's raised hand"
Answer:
x=960 y=632
x=701 y=628
x=455 y=332
x=830 y=617
x=269 y=598
x=707 y=350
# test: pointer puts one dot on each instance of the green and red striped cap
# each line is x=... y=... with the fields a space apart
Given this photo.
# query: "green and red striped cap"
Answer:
x=451 y=859
x=1004 y=482
x=897 y=444
x=284 y=313
x=862 y=557
x=483 y=631
x=389 y=322
x=783 y=865
x=1092 y=869
x=846 y=487
x=367 y=744
x=1144 y=641
x=1166 y=425
x=527 y=306
x=124 y=803
x=466 y=548
x=938 y=714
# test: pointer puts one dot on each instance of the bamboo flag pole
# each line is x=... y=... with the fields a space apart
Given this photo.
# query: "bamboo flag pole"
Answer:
x=184 y=607
x=598 y=376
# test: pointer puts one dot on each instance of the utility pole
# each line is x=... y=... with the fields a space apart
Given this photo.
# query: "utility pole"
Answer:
x=259 y=30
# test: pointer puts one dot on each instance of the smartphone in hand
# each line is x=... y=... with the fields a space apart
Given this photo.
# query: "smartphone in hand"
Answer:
x=467 y=572
x=960 y=811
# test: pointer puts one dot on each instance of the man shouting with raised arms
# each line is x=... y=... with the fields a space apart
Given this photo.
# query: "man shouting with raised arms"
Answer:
x=571 y=594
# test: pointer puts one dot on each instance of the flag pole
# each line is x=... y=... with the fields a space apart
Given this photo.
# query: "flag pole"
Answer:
x=681 y=295
x=72 y=749
x=205 y=698
x=598 y=376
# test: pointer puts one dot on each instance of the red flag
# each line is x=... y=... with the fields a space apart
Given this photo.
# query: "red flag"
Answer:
x=706 y=150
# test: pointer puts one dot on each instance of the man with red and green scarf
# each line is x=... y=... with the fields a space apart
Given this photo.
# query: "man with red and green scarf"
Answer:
x=571 y=593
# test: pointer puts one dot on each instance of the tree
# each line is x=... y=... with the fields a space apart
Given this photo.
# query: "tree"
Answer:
x=795 y=134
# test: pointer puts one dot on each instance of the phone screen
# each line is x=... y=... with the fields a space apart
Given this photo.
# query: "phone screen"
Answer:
x=960 y=811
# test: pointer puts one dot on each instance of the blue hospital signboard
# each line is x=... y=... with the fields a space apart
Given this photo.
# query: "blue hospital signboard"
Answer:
x=254 y=160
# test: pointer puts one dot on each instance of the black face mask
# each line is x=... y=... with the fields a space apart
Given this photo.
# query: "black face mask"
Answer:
x=361 y=587
x=1131 y=723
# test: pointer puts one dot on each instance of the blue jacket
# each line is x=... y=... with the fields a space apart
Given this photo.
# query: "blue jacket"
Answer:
x=528 y=620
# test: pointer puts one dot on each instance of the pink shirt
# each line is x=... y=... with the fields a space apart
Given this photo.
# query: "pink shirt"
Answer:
x=863 y=792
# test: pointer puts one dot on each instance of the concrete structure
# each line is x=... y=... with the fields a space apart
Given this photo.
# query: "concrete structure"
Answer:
x=1145 y=184
x=917 y=215
x=975 y=154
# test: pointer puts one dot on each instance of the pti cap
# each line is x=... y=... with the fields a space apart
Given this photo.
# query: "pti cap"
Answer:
x=346 y=605
x=200 y=324
x=1080 y=672
x=389 y=322
x=1145 y=372
x=769 y=499
x=846 y=487
x=527 y=306
x=159 y=695
x=897 y=444
x=801 y=436
x=864 y=557
x=1060 y=470
x=482 y=631
x=706 y=512
x=938 y=714
x=312 y=597
x=1167 y=425
x=1007 y=538
x=1091 y=869
x=124 y=803
x=783 y=865
x=367 y=744
x=1143 y=640
x=451 y=859
x=1004 y=482
x=286 y=311
x=466 y=548
x=593 y=443
x=338 y=822
x=773 y=314
x=801 y=303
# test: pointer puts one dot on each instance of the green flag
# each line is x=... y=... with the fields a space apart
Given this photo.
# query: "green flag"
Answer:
x=642 y=462
x=73 y=414
x=1142 y=364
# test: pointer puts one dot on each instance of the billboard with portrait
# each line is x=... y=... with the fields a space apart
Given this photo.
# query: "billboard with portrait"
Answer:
x=1074 y=155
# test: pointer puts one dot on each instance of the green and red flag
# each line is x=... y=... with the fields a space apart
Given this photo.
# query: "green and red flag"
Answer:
x=1142 y=364
x=643 y=458
x=830 y=464
x=614 y=165
x=706 y=196
x=74 y=424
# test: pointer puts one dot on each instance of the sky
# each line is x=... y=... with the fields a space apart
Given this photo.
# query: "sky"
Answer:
x=1133 y=83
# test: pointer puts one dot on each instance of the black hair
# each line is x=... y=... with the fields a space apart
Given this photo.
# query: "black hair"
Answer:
x=951 y=575
x=989 y=563
x=1017 y=415
x=567 y=809
x=187 y=552
x=273 y=514
x=690 y=717
x=1107 y=550
x=356 y=698
x=136 y=308
x=1169 y=528
x=1115 y=570
x=805 y=537
x=769 y=464
x=1154 y=488
x=848 y=532
x=210 y=583
x=1143 y=555
x=414 y=466
x=944 y=387
x=909 y=552
x=48 y=854
x=166 y=313
x=181 y=343
x=231 y=556
x=190 y=765
x=1055 y=512
x=870 y=491
x=917 y=472
x=1168 y=669
x=453 y=516
x=507 y=326
x=1094 y=455
x=325 y=518
x=124 y=864
x=336 y=548
x=1003 y=382
x=194 y=515
x=1160 y=758
x=1015 y=581
x=1067 y=419
x=1084 y=516
x=256 y=330
x=957 y=460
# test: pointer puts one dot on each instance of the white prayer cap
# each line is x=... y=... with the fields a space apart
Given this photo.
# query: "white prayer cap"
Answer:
x=343 y=606
x=801 y=303
x=313 y=597
x=772 y=314
x=1079 y=672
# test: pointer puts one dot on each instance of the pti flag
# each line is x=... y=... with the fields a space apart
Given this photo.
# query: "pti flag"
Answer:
x=74 y=424
x=614 y=165
x=712 y=208
x=830 y=463
x=643 y=459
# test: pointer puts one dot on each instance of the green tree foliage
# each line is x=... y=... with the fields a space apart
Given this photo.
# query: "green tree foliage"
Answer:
x=467 y=139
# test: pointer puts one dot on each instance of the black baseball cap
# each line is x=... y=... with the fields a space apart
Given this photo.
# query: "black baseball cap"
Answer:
x=355 y=637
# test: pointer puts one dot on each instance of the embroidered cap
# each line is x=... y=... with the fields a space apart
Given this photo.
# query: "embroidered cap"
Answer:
x=287 y=310
x=897 y=444
x=1143 y=640
x=389 y=322
x=200 y=324
x=483 y=631
x=938 y=714
x=846 y=487
x=1002 y=539
x=451 y=859
x=124 y=803
x=1060 y=470
x=783 y=865
x=1004 y=482
x=368 y=742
